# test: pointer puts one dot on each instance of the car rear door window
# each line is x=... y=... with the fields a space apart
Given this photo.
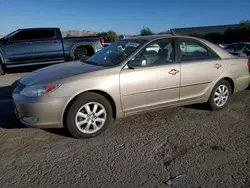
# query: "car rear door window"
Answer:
x=45 y=34
x=191 y=50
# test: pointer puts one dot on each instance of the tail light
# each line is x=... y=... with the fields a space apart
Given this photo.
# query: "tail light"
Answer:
x=249 y=64
x=102 y=41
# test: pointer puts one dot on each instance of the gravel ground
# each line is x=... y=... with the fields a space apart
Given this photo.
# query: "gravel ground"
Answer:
x=186 y=147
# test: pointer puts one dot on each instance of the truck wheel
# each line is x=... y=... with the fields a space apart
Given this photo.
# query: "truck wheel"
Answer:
x=83 y=52
x=80 y=52
x=220 y=95
x=89 y=115
x=2 y=72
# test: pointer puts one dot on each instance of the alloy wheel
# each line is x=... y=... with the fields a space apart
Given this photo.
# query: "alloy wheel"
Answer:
x=221 y=95
x=91 y=117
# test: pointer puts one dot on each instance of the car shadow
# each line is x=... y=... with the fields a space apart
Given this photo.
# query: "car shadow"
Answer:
x=60 y=132
x=202 y=106
x=6 y=91
x=9 y=121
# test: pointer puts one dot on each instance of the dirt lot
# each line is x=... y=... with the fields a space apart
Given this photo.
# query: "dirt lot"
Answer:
x=208 y=149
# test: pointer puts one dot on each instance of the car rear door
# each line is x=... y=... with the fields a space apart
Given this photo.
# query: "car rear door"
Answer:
x=48 y=46
x=154 y=84
x=200 y=66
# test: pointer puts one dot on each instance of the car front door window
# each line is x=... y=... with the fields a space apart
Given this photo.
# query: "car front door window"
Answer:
x=161 y=52
x=22 y=36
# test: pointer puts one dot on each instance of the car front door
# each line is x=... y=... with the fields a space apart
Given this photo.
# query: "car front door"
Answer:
x=155 y=82
x=200 y=66
x=19 y=48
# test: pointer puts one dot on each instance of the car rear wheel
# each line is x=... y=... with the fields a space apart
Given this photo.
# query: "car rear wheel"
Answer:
x=220 y=95
x=89 y=115
x=83 y=52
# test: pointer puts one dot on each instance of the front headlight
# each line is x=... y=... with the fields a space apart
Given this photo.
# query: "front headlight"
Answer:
x=38 y=90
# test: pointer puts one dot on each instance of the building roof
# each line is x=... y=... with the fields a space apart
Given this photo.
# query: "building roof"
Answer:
x=204 y=29
x=150 y=37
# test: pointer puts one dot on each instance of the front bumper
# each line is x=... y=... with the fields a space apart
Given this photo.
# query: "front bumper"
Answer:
x=40 y=112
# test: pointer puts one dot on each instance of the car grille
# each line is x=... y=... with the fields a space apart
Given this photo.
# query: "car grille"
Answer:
x=19 y=87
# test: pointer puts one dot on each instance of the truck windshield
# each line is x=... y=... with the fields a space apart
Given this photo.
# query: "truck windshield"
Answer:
x=115 y=53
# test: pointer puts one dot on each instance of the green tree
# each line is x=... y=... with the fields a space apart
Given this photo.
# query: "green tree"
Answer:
x=197 y=34
x=214 y=37
x=241 y=33
x=109 y=36
x=146 y=31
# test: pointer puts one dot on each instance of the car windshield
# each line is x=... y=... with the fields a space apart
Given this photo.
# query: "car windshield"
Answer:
x=115 y=53
x=230 y=47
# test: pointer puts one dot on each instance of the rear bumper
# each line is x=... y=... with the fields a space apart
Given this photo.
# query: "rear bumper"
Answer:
x=242 y=83
x=39 y=112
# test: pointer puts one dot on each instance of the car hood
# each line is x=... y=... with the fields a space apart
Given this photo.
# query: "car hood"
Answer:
x=56 y=72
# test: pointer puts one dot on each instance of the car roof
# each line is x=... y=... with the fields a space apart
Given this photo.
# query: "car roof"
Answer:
x=243 y=42
x=221 y=52
x=39 y=28
x=239 y=43
x=151 y=37
x=161 y=36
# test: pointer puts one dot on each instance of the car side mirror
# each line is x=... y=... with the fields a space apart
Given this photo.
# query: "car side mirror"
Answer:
x=137 y=63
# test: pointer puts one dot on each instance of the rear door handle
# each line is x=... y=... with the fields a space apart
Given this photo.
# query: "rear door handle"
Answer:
x=217 y=66
x=173 y=72
x=57 y=41
x=29 y=43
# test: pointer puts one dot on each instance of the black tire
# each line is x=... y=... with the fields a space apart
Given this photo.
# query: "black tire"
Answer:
x=211 y=101
x=82 y=100
x=2 y=72
x=80 y=52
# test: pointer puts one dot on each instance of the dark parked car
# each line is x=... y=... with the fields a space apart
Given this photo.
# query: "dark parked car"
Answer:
x=238 y=48
x=35 y=46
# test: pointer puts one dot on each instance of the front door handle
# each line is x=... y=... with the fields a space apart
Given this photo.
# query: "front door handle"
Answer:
x=29 y=43
x=217 y=66
x=57 y=41
x=173 y=72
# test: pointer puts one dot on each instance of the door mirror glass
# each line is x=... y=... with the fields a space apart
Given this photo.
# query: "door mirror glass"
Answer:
x=138 y=62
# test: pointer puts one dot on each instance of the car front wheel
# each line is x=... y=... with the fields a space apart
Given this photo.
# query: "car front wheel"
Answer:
x=89 y=115
x=220 y=95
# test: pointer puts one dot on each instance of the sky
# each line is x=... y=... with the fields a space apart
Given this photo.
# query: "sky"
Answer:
x=123 y=17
